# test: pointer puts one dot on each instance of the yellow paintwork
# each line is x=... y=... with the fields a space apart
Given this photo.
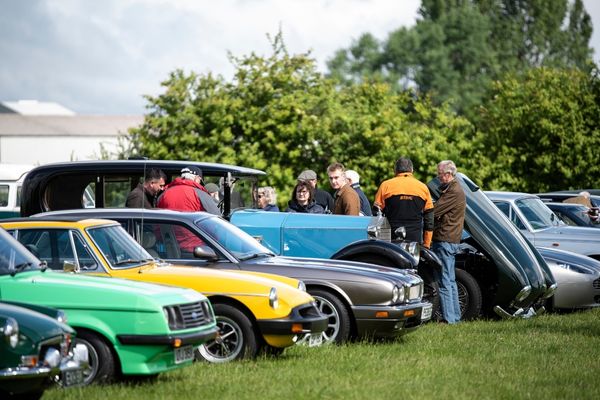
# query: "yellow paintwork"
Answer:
x=249 y=288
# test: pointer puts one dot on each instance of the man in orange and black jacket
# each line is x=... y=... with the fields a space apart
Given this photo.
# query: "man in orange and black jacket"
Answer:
x=406 y=202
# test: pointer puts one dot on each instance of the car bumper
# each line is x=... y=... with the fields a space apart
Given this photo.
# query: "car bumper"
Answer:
x=303 y=319
x=175 y=340
x=390 y=321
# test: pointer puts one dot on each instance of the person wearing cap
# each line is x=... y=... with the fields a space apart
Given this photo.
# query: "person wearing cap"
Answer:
x=354 y=181
x=346 y=199
x=145 y=195
x=187 y=193
x=213 y=190
x=322 y=197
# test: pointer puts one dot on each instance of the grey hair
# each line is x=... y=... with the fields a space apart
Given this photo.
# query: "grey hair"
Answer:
x=269 y=193
x=353 y=176
x=447 y=166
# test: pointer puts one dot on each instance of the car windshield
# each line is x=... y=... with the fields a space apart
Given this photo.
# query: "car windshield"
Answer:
x=536 y=212
x=229 y=236
x=14 y=257
x=118 y=247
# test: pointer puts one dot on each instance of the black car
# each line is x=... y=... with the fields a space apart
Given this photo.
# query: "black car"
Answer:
x=575 y=214
x=361 y=300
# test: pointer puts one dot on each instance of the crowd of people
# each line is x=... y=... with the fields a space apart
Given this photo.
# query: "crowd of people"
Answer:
x=404 y=200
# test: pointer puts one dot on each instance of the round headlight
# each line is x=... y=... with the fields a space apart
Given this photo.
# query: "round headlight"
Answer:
x=397 y=294
x=273 y=298
x=61 y=316
x=301 y=286
x=52 y=358
x=11 y=332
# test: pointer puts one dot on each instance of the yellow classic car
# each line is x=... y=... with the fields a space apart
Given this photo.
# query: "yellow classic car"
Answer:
x=255 y=311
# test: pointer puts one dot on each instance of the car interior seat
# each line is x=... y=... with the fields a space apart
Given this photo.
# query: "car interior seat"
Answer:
x=149 y=243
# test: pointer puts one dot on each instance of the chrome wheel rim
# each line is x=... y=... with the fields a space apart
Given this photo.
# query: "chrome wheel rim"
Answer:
x=333 y=321
x=228 y=343
x=90 y=372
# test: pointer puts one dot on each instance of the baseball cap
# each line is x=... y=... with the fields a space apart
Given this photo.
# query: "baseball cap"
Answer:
x=192 y=170
x=307 y=175
x=211 y=187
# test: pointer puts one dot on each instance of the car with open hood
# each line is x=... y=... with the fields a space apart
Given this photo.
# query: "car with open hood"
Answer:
x=360 y=300
x=37 y=350
x=542 y=227
x=505 y=274
x=129 y=328
x=254 y=311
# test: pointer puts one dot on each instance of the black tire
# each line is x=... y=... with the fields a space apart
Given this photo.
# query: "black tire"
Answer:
x=236 y=339
x=469 y=295
x=102 y=362
x=338 y=329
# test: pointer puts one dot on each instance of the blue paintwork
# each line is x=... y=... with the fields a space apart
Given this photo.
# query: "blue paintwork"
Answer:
x=302 y=235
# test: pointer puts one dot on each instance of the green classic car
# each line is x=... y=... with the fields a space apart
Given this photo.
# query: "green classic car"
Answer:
x=36 y=350
x=129 y=328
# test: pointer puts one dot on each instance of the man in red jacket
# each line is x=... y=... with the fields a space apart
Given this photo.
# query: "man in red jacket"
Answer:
x=187 y=194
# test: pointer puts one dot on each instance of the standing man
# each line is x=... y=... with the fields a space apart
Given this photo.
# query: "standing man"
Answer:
x=406 y=202
x=186 y=193
x=144 y=195
x=346 y=199
x=354 y=181
x=322 y=197
x=449 y=220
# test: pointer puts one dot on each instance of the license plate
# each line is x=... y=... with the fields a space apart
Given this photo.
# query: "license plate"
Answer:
x=184 y=354
x=315 y=339
x=72 y=378
x=426 y=312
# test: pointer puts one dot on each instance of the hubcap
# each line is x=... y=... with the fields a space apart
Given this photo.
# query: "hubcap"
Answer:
x=227 y=345
x=333 y=324
x=90 y=372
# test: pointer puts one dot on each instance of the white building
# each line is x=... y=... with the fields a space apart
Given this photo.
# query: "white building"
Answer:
x=40 y=133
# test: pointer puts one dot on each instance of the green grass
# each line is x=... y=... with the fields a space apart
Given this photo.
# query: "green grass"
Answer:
x=546 y=357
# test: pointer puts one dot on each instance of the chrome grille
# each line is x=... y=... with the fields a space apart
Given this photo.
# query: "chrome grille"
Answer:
x=190 y=315
x=596 y=284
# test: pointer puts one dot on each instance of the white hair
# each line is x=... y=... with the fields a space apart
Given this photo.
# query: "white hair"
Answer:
x=353 y=176
x=269 y=193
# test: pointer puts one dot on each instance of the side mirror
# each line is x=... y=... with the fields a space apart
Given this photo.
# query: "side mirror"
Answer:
x=400 y=232
x=69 y=266
x=205 y=253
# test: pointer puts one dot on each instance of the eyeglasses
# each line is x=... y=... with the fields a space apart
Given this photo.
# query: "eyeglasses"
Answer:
x=301 y=192
x=260 y=196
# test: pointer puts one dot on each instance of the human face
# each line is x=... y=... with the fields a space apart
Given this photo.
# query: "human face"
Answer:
x=155 y=186
x=444 y=177
x=337 y=179
x=262 y=200
x=302 y=195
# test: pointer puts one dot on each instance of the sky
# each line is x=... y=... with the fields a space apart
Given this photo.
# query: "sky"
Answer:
x=102 y=57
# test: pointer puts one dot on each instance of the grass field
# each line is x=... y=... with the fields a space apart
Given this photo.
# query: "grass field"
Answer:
x=546 y=357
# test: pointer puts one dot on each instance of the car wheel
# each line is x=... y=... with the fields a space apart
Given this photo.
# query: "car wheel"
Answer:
x=236 y=338
x=101 y=367
x=338 y=327
x=469 y=295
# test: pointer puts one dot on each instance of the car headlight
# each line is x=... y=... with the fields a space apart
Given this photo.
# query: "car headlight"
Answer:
x=580 y=269
x=301 y=286
x=61 y=316
x=398 y=294
x=173 y=317
x=11 y=332
x=413 y=248
x=522 y=295
x=273 y=298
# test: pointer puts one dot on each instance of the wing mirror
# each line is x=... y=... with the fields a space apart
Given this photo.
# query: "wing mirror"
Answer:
x=69 y=266
x=400 y=233
x=205 y=253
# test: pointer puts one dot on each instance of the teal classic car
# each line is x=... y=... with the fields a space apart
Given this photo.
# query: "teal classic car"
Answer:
x=36 y=350
x=129 y=328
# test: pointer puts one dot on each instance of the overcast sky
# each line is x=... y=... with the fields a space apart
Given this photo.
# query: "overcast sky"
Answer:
x=100 y=57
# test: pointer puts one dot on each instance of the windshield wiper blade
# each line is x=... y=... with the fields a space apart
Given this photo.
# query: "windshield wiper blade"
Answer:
x=20 y=268
x=131 y=261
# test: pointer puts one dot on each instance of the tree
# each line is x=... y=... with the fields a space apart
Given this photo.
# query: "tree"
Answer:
x=280 y=115
x=542 y=131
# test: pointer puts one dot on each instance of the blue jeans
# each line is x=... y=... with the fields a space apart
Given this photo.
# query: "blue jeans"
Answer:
x=446 y=278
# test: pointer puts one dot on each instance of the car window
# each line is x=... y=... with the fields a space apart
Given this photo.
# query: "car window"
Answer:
x=504 y=206
x=50 y=245
x=85 y=257
x=536 y=212
x=229 y=236
x=170 y=240
x=3 y=195
x=118 y=247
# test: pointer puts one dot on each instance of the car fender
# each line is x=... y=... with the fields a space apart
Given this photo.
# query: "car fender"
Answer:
x=397 y=256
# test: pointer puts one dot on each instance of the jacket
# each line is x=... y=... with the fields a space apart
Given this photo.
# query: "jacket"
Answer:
x=138 y=198
x=324 y=199
x=449 y=214
x=180 y=195
x=310 y=208
x=346 y=201
x=365 y=205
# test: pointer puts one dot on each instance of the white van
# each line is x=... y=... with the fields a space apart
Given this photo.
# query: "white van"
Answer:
x=11 y=179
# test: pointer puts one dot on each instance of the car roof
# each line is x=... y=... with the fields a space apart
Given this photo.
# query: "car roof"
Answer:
x=508 y=196
x=85 y=222
x=140 y=165
x=78 y=214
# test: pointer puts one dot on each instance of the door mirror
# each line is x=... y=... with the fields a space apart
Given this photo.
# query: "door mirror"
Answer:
x=69 y=266
x=205 y=253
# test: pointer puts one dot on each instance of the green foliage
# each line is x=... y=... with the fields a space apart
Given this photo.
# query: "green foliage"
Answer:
x=543 y=131
x=280 y=115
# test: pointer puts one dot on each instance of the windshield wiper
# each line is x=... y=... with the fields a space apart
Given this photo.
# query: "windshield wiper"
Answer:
x=256 y=255
x=20 y=268
x=132 y=261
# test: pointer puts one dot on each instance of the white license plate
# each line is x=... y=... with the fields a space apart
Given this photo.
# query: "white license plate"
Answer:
x=183 y=354
x=426 y=312
x=315 y=339
x=72 y=378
